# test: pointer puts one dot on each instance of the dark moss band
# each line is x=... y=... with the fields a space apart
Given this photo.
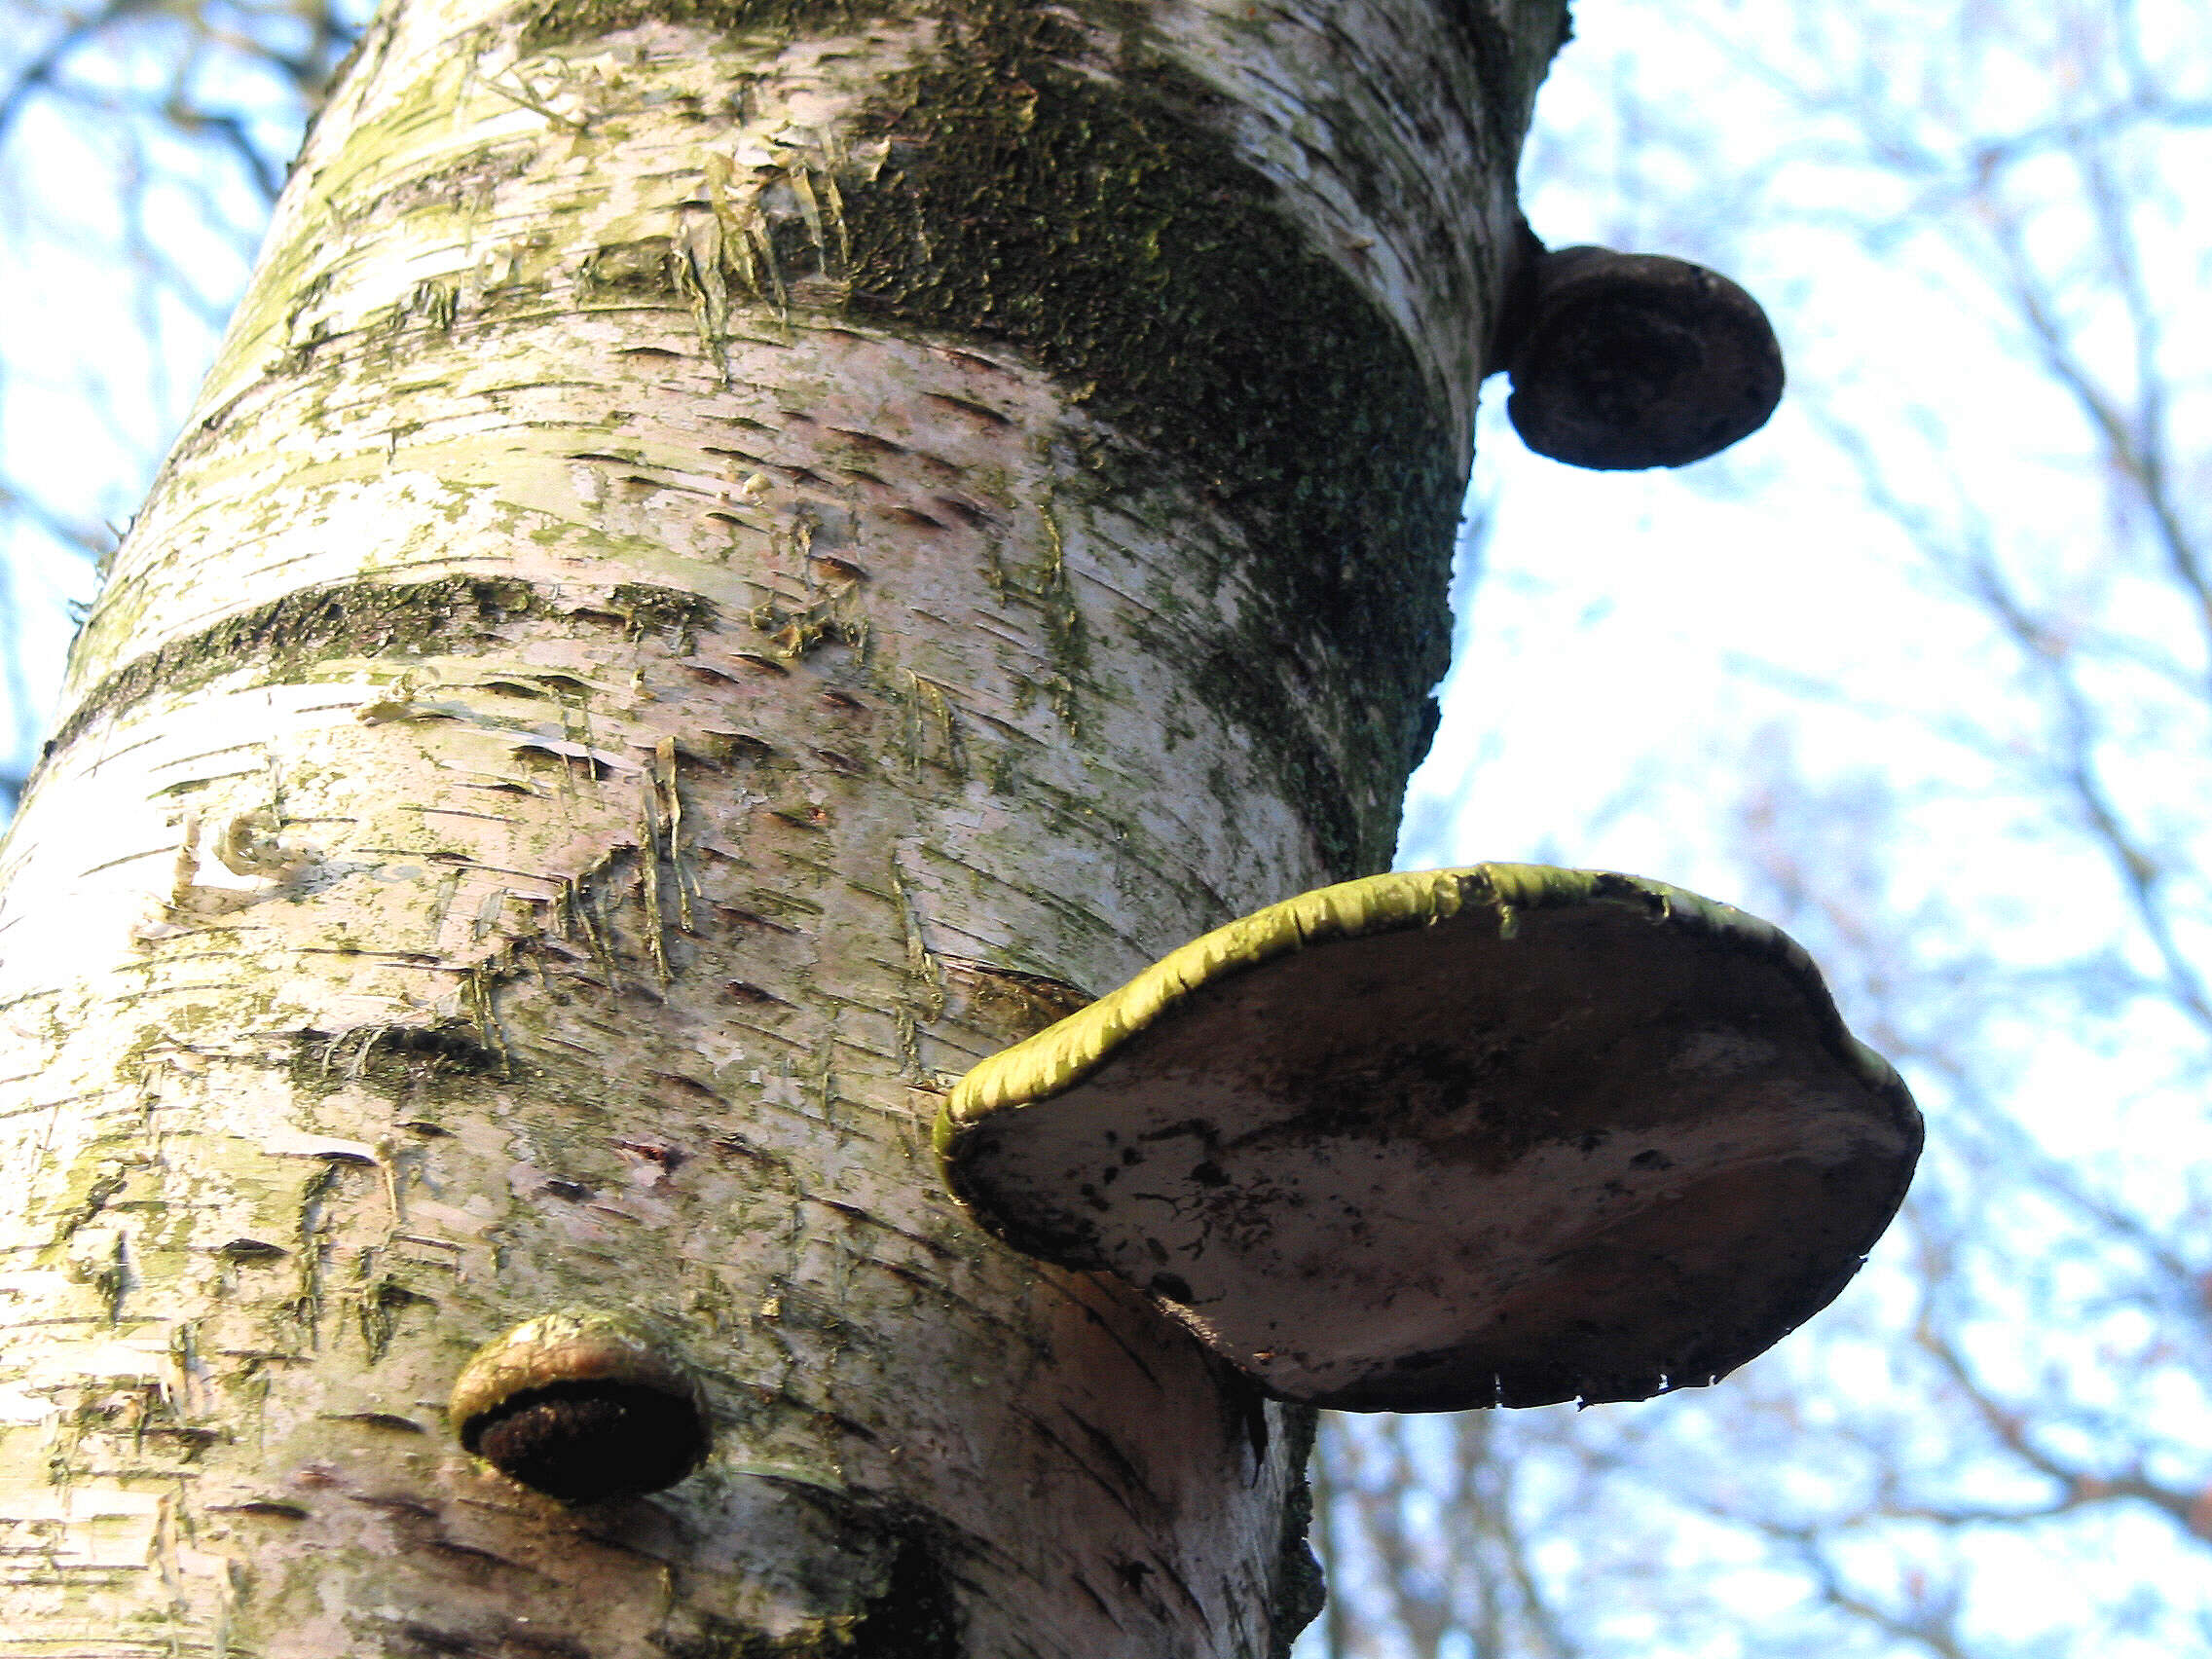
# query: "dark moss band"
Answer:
x=347 y=620
x=1108 y=231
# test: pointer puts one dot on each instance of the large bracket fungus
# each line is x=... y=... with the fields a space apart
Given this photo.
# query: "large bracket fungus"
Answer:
x=1505 y=1135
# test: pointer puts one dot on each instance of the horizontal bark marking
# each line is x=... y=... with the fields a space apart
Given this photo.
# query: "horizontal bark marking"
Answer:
x=360 y=619
x=553 y=22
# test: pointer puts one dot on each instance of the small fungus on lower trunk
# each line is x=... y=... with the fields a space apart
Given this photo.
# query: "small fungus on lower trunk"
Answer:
x=1504 y=1135
x=581 y=1405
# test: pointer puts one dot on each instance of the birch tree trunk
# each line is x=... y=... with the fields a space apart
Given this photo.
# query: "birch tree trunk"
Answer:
x=740 y=555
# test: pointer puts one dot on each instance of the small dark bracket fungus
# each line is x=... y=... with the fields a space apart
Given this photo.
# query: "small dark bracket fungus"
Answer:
x=1506 y=1135
x=1626 y=360
x=581 y=1405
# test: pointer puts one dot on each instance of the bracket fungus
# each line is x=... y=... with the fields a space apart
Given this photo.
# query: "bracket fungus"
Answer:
x=1504 y=1135
x=1628 y=360
x=581 y=1405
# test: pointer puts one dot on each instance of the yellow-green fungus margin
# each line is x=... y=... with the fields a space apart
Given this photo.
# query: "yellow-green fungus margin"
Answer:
x=1502 y=1136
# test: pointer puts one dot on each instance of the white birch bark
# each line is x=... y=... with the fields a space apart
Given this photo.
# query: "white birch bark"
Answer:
x=645 y=661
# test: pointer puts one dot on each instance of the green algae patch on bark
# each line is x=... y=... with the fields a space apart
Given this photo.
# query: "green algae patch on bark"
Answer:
x=1106 y=229
x=291 y=272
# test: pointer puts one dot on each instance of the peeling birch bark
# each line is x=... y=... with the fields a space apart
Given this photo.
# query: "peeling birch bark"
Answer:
x=737 y=559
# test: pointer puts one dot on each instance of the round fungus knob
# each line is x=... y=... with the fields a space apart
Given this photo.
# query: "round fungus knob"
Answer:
x=581 y=1405
x=1626 y=360
x=1505 y=1135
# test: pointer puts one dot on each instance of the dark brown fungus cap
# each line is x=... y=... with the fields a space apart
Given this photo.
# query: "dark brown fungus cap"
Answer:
x=581 y=1405
x=1625 y=360
x=1505 y=1135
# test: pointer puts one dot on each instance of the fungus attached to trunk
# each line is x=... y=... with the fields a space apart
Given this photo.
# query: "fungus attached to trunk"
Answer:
x=1626 y=360
x=1505 y=1135
x=580 y=1405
